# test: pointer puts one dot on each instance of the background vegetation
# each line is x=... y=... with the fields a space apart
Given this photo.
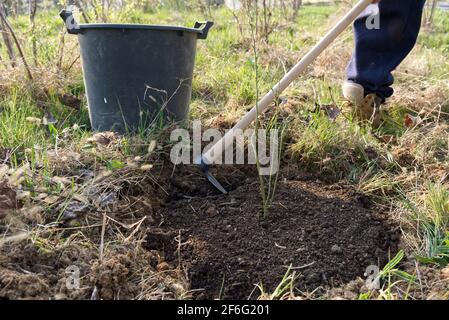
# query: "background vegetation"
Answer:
x=46 y=143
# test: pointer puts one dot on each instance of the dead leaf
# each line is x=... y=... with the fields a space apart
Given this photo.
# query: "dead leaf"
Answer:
x=18 y=176
x=101 y=176
x=69 y=100
x=61 y=180
x=103 y=138
x=72 y=210
x=49 y=119
x=34 y=120
x=15 y=238
x=7 y=199
x=23 y=195
x=146 y=167
x=63 y=157
x=387 y=138
x=33 y=214
x=105 y=200
x=152 y=146
x=81 y=198
x=411 y=121
x=131 y=164
x=3 y=170
x=51 y=199
x=41 y=196
x=331 y=111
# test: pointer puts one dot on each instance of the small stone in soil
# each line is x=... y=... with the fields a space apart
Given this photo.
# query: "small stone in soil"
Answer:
x=336 y=249
x=204 y=190
x=313 y=278
x=211 y=211
x=163 y=266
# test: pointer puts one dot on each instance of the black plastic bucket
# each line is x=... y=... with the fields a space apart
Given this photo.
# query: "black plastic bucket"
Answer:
x=136 y=75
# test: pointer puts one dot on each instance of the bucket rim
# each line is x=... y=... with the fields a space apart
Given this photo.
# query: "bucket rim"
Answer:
x=138 y=27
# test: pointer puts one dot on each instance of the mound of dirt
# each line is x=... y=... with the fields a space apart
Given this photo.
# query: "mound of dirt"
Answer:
x=326 y=233
x=15 y=285
x=29 y=273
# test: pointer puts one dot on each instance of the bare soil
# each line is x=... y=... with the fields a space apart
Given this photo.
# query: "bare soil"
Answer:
x=327 y=233
x=197 y=243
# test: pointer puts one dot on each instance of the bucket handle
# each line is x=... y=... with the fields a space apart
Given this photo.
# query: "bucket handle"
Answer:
x=204 y=27
x=71 y=24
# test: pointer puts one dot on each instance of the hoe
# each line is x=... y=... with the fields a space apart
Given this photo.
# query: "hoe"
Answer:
x=215 y=152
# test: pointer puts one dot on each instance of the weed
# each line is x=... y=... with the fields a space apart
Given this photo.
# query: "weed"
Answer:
x=433 y=224
x=390 y=280
x=283 y=289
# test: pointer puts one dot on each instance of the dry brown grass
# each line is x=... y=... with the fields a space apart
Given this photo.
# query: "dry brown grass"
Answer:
x=91 y=200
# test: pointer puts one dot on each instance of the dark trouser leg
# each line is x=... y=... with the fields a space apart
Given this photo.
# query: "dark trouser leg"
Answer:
x=378 y=52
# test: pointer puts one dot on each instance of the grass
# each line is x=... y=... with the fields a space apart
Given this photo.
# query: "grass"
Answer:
x=285 y=288
x=15 y=129
x=432 y=214
x=385 y=285
x=403 y=169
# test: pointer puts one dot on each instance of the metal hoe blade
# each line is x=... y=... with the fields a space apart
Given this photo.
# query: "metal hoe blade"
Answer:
x=205 y=169
x=215 y=182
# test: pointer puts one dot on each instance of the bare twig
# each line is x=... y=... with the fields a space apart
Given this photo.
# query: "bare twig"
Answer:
x=32 y=8
x=6 y=38
x=73 y=63
x=16 y=41
x=179 y=241
x=432 y=13
x=301 y=267
x=103 y=230
x=83 y=13
x=61 y=50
